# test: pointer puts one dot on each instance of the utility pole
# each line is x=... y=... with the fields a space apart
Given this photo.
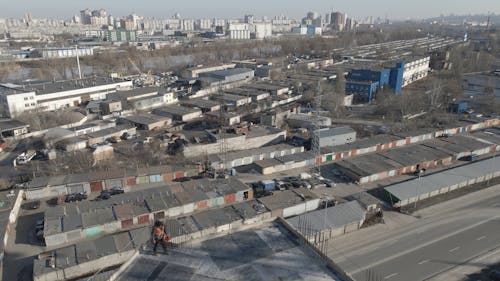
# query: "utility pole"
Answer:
x=223 y=144
x=78 y=62
x=416 y=187
x=315 y=127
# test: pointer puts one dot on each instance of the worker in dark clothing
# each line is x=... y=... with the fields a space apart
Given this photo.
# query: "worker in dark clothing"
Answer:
x=160 y=237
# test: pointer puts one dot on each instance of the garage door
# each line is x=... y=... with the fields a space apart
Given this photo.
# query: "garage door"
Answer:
x=351 y=227
x=75 y=188
x=96 y=186
x=115 y=184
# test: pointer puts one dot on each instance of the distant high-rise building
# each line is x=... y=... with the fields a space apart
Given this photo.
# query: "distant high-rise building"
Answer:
x=263 y=30
x=85 y=16
x=350 y=24
x=239 y=31
x=204 y=24
x=111 y=20
x=337 y=21
x=312 y=15
x=327 y=19
x=249 y=19
x=187 y=24
x=28 y=18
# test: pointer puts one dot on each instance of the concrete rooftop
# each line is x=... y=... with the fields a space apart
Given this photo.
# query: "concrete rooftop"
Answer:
x=260 y=254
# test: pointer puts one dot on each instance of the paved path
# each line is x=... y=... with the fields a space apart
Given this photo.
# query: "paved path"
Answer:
x=436 y=239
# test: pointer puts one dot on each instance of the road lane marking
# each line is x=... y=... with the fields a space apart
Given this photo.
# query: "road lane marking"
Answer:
x=481 y=238
x=391 y=275
x=424 y=261
x=454 y=249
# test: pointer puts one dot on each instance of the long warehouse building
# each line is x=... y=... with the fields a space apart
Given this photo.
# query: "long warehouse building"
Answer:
x=408 y=192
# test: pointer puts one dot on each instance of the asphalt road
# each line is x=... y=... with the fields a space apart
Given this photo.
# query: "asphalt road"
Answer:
x=439 y=256
x=428 y=246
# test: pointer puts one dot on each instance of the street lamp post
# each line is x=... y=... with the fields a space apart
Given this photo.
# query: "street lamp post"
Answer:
x=418 y=185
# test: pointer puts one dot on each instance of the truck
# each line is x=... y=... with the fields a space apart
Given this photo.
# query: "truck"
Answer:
x=25 y=157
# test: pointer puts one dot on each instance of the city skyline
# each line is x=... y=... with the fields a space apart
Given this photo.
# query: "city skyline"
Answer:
x=392 y=9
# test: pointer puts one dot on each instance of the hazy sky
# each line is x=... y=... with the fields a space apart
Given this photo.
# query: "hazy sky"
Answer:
x=394 y=9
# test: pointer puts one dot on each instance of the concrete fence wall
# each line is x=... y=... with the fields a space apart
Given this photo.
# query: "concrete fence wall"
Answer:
x=329 y=262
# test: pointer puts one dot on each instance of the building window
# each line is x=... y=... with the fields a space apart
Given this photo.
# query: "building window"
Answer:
x=25 y=98
x=32 y=98
x=32 y=104
x=27 y=105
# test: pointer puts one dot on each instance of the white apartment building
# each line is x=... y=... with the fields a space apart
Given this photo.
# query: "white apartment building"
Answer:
x=187 y=24
x=263 y=30
x=415 y=69
x=15 y=99
x=239 y=31
x=66 y=52
x=204 y=24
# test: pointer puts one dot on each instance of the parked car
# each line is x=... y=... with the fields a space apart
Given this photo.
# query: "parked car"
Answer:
x=35 y=204
x=105 y=195
x=113 y=140
x=79 y=196
x=116 y=190
x=328 y=183
x=127 y=136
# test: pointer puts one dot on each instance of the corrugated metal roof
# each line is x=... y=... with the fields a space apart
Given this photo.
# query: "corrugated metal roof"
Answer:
x=424 y=185
x=333 y=217
x=97 y=217
x=66 y=257
x=123 y=211
x=335 y=131
x=287 y=198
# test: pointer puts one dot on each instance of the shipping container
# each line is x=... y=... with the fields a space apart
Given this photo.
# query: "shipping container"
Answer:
x=114 y=183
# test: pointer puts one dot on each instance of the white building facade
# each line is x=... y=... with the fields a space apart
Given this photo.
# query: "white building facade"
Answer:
x=416 y=70
x=263 y=30
x=54 y=96
x=239 y=31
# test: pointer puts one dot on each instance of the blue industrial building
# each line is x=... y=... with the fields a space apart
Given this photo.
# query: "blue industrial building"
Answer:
x=364 y=83
x=459 y=107
x=363 y=91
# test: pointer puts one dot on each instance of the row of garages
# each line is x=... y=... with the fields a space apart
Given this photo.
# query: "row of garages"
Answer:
x=324 y=224
x=247 y=157
x=80 y=142
x=44 y=187
x=89 y=219
x=378 y=144
x=404 y=160
x=86 y=257
x=408 y=192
